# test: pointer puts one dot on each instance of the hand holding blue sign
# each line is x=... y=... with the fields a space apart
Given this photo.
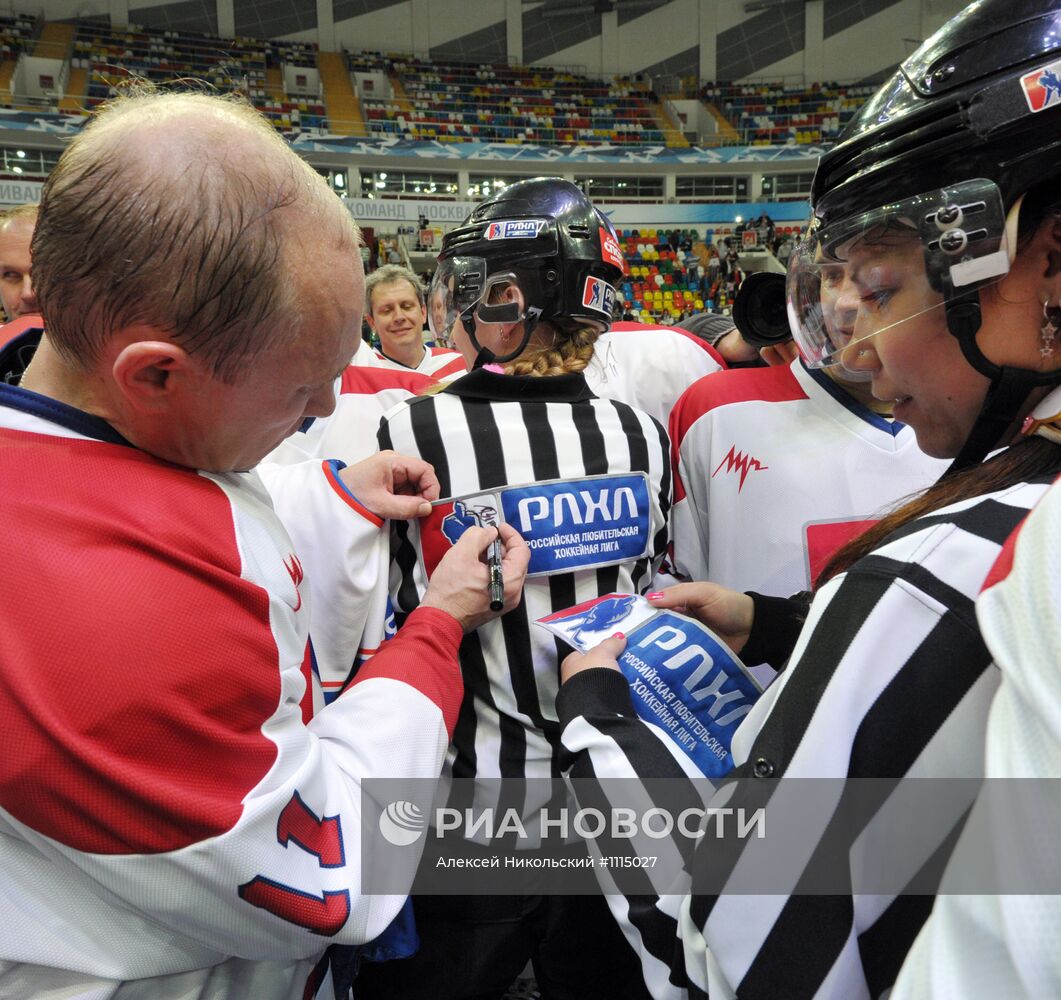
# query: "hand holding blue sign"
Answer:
x=684 y=677
x=605 y=654
x=728 y=613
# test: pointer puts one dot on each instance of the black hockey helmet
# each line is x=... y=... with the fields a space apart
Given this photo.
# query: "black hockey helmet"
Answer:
x=543 y=235
x=934 y=165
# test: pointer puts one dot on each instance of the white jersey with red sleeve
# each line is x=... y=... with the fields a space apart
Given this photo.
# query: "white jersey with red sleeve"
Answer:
x=440 y=363
x=774 y=469
x=649 y=367
x=170 y=810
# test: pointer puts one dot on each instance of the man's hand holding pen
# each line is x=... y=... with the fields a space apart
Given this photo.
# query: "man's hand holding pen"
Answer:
x=486 y=567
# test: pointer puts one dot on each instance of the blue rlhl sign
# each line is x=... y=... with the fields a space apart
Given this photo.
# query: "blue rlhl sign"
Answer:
x=514 y=229
x=690 y=686
x=581 y=523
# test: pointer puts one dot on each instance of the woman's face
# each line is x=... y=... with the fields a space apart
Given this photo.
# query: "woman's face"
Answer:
x=914 y=361
x=883 y=302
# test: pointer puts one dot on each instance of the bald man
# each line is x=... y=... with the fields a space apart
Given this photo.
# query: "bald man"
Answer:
x=175 y=821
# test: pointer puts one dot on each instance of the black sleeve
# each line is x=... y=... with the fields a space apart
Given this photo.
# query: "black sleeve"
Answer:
x=776 y=626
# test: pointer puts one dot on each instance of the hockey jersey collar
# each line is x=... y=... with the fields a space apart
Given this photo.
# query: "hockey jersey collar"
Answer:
x=481 y=384
x=860 y=410
x=14 y=357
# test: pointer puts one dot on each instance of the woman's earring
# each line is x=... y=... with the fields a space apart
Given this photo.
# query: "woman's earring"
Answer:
x=1048 y=331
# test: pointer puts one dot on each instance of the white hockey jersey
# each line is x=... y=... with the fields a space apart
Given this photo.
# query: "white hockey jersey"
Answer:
x=775 y=469
x=649 y=366
x=979 y=947
x=438 y=362
x=174 y=820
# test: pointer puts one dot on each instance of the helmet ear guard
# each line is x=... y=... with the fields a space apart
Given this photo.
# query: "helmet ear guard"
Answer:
x=503 y=312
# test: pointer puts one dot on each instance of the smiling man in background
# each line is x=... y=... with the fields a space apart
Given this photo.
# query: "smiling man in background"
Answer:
x=396 y=311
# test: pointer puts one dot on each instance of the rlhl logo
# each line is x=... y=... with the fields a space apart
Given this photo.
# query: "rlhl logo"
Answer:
x=705 y=681
x=738 y=460
x=1042 y=87
x=566 y=509
x=514 y=229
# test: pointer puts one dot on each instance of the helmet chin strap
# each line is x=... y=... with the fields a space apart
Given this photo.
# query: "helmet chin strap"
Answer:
x=485 y=355
x=1006 y=395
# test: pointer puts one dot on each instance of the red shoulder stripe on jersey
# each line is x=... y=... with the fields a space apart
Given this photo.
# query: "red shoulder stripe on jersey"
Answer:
x=423 y=655
x=775 y=384
x=1004 y=563
x=452 y=368
x=363 y=380
x=346 y=496
x=137 y=667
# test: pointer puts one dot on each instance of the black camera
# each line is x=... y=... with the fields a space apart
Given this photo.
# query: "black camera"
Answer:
x=759 y=311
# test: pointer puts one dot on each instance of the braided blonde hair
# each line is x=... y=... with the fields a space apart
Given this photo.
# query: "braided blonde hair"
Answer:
x=570 y=352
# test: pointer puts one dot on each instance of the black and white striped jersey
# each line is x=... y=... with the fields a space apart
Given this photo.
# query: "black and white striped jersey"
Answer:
x=890 y=678
x=587 y=483
x=979 y=946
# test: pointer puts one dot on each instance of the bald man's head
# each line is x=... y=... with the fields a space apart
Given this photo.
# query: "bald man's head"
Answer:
x=184 y=213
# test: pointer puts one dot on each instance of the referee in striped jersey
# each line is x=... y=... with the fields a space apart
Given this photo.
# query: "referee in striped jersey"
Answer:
x=937 y=233
x=523 y=288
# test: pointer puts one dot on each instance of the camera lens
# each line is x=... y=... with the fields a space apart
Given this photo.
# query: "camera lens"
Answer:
x=759 y=312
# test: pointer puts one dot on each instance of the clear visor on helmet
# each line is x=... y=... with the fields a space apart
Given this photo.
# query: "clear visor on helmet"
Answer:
x=460 y=284
x=893 y=268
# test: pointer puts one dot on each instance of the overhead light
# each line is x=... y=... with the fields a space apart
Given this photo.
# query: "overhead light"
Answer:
x=16 y=170
x=381 y=184
x=20 y=153
x=383 y=175
x=340 y=182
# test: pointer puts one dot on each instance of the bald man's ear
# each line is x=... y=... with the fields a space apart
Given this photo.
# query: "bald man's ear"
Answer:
x=148 y=373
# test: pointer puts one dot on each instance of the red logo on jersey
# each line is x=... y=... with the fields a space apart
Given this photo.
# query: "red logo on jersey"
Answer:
x=294 y=569
x=738 y=460
x=1042 y=87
